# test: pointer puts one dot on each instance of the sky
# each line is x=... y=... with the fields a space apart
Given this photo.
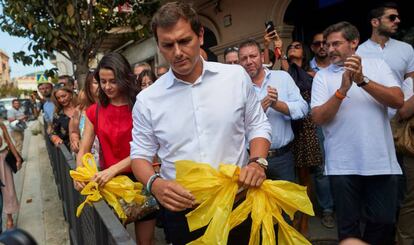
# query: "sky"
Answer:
x=10 y=44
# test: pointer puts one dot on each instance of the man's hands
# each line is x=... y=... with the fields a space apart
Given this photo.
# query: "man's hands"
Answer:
x=271 y=97
x=172 y=195
x=252 y=175
x=353 y=73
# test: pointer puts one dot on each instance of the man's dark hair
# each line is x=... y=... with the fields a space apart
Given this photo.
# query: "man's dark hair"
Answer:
x=349 y=31
x=68 y=79
x=124 y=77
x=40 y=84
x=169 y=14
x=248 y=43
x=14 y=100
x=379 y=9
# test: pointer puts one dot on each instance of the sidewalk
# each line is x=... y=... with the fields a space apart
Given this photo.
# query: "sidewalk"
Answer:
x=40 y=212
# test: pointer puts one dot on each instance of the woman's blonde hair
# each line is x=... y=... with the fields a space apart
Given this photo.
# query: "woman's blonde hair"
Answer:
x=58 y=106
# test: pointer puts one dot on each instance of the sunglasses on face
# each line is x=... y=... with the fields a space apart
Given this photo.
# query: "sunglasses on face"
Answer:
x=392 y=17
x=296 y=46
x=318 y=43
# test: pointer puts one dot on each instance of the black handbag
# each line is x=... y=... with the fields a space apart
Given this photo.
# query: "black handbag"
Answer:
x=11 y=161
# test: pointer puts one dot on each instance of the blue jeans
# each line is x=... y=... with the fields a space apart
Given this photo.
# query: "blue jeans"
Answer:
x=370 y=198
x=323 y=190
x=322 y=185
x=281 y=167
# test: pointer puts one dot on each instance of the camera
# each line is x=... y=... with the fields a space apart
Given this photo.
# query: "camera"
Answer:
x=269 y=26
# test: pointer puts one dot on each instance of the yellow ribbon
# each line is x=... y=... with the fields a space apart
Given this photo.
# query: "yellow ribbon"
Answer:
x=216 y=190
x=120 y=186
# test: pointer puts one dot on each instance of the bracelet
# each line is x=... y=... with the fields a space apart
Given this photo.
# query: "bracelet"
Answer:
x=339 y=95
x=151 y=181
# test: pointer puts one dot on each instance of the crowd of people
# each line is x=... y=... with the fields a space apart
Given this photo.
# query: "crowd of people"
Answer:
x=322 y=122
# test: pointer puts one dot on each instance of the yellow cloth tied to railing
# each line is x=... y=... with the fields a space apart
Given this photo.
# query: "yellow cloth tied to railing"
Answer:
x=215 y=191
x=120 y=186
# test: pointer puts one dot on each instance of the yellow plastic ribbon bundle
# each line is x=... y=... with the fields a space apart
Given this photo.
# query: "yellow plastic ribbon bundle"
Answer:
x=119 y=187
x=215 y=190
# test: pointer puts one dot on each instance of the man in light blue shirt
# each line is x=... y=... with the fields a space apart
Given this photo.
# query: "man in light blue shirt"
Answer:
x=282 y=102
x=45 y=89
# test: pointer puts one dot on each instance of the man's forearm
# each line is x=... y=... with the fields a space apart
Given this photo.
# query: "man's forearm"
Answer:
x=259 y=147
x=142 y=170
x=326 y=112
x=281 y=107
x=388 y=96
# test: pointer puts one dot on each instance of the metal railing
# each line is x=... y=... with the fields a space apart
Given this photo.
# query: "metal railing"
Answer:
x=97 y=224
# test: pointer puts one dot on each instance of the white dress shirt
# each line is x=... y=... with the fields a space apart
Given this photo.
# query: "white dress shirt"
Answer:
x=210 y=121
x=358 y=140
x=289 y=93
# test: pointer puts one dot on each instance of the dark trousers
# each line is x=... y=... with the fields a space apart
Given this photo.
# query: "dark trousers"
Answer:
x=369 y=198
x=176 y=229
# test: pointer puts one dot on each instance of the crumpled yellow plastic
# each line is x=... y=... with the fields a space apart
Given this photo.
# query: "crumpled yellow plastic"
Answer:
x=215 y=190
x=120 y=186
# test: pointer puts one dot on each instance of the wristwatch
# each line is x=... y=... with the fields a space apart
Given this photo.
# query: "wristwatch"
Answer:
x=259 y=160
x=364 y=82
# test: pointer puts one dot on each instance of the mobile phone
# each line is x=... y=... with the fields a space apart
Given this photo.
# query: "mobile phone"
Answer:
x=269 y=26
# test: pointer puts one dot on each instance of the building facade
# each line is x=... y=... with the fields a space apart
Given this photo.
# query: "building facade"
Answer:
x=4 y=69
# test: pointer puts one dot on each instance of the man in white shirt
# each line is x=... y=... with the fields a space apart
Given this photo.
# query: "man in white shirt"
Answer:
x=17 y=120
x=282 y=102
x=350 y=100
x=384 y=20
x=201 y=111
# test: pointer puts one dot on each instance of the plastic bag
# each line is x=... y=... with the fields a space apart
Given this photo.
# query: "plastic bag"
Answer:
x=215 y=190
x=120 y=187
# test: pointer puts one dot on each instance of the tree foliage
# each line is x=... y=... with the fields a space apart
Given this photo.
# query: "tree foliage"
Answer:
x=73 y=28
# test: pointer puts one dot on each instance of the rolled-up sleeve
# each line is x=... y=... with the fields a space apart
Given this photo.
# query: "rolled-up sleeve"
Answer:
x=298 y=108
x=256 y=123
x=144 y=143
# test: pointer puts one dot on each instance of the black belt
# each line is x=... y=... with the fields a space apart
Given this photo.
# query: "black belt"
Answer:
x=279 y=151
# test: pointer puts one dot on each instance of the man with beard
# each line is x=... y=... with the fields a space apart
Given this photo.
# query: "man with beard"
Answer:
x=282 y=102
x=350 y=100
x=45 y=89
x=322 y=186
x=399 y=56
x=321 y=59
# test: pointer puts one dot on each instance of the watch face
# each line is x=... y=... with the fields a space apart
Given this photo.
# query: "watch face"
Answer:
x=262 y=161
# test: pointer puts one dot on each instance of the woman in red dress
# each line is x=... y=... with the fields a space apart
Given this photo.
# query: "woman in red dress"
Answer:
x=111 y=121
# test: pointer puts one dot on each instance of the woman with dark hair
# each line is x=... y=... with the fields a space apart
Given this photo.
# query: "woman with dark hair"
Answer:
x=111 y=121
x=307 y=147
x=65 y=103
x=86 y=97
x=145 y=79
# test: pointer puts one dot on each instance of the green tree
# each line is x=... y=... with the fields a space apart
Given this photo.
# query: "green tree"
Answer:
x=73 y=28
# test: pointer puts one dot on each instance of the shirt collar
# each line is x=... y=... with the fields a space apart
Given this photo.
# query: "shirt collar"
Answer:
x=387 y=43
x=314 y=65
x=208 y=67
